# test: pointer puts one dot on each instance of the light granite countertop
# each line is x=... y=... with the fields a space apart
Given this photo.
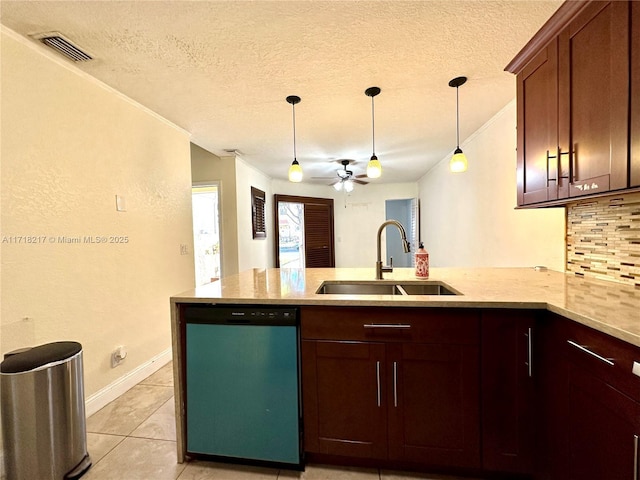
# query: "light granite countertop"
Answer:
x=609 y=307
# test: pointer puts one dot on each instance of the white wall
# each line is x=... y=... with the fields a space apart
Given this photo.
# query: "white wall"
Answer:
x=69 y=146
x=357 y=216
x=207 y=167
x=469 y=220
x=253 y=252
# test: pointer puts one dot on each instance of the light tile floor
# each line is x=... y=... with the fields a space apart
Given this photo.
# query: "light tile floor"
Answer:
x=134 y=438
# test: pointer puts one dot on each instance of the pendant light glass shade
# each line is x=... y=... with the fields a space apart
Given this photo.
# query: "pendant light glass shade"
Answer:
x=458 y=161
x=374 y=168
x=295 y=170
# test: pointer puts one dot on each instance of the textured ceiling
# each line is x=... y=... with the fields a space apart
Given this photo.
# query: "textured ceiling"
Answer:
x=222 y=70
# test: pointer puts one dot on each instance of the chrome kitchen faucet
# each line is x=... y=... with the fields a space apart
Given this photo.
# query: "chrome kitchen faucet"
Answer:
x=405 y=245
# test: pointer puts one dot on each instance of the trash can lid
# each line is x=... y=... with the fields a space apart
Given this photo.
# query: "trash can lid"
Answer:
x=39 y=356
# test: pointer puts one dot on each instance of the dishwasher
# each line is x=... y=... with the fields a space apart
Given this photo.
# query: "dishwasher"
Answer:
x=243 y=384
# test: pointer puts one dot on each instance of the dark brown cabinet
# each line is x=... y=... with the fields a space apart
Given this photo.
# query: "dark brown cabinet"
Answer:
x=589 y=405
x=432 y=404
x=508 y=399
x=405 y=389
x=537 y=97
x=635 y=95
x=575 y=81
x=343 y=407
x=593 y=75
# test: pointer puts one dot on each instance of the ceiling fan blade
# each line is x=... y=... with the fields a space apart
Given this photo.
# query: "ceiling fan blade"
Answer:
x=362 y=175
x=359 y=181
x=322 y=178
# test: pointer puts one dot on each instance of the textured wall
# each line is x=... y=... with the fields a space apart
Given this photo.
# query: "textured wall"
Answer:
x=69 y=146
x=469 y=220
x=207 y=167
x=603 y=238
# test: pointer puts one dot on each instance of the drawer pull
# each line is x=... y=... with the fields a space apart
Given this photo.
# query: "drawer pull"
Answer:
x=586 y=350
x=378 y=380
x=529 y=352
x=395 y=384
x=635 y=457
x=386 y=325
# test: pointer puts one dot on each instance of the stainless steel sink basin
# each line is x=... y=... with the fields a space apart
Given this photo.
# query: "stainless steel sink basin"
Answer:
x=378 y=288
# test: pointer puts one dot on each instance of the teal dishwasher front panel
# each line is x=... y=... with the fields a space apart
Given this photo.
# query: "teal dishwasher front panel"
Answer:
x=242 y=392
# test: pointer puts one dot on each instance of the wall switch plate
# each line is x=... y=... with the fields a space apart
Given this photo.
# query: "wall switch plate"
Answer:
x=121 y=205
x=636 y=368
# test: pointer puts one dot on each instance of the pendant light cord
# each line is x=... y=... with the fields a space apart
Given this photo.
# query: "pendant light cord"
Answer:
x=457 y=119
x=293 y=105
x=373 y=126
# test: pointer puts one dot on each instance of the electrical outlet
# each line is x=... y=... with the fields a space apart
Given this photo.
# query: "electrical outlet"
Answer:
x=118 y=356
x=184 y=250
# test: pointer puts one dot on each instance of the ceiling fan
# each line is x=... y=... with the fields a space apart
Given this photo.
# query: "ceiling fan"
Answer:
x=346 y=178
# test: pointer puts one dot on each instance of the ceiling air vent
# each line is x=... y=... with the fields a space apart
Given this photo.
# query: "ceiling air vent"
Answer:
x=62 y=45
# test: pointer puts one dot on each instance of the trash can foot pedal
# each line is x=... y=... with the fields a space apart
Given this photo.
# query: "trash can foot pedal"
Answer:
x=79 y=469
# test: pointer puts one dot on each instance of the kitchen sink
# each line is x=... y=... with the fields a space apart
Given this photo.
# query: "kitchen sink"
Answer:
x=378 y=288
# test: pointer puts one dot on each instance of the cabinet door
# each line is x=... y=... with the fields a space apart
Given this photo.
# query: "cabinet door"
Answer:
x=603 y=427
x=593 y=66
x=433 y=404
x=635 y=94
x=343 y=397
x=537 y=93
x=507 y=391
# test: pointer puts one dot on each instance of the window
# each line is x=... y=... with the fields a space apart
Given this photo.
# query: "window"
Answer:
x=258 y=221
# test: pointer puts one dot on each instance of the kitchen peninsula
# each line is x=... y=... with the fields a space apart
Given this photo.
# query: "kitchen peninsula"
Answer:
x=516 y=353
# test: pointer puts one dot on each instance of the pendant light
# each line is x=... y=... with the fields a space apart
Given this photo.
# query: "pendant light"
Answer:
x=458 y=161
x=295 y=170
x=374 y=169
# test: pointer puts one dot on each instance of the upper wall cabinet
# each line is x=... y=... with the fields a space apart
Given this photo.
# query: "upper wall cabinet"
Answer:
x=573 y=87
x=635 y=94
x=537 y=89
x=593 y=101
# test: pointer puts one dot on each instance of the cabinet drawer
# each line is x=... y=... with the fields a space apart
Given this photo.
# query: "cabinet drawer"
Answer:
x=603 y=356
x=453 y=326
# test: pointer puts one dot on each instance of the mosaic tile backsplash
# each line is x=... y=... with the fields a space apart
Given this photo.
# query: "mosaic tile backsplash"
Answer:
x=603 y=238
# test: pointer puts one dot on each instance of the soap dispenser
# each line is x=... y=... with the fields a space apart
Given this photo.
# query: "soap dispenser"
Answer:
x=422 y=262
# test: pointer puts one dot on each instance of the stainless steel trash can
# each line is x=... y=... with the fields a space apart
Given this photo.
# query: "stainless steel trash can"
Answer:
x=43 y=418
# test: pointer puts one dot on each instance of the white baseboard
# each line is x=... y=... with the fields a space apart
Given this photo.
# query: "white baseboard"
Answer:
x=112 y=391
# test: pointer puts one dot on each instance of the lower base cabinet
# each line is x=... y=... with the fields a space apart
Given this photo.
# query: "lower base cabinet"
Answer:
x=590 y=410
x=505 y=392
x=398 y=398
x=508 y=397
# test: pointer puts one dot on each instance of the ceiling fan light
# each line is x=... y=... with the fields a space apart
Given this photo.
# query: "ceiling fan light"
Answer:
x=458 y=161
x=374 y=168
x=295 y=172
x=337 y=186
x=348 y=186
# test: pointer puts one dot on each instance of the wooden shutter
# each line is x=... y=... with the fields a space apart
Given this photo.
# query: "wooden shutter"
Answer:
x=318 y=234
x=258 y=218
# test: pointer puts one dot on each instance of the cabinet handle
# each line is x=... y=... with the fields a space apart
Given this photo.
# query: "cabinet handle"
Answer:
x=386 y=325
x=529 y=352
x=395 y=384
x=549 y=157
x=586 y=350
x=560 y=153
x=378 y=380
x=635 y=457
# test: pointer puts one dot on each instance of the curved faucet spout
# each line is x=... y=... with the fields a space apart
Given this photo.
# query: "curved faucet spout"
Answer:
x=405 y=245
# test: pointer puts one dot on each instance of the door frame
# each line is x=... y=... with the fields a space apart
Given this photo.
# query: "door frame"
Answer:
x=277 y=198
